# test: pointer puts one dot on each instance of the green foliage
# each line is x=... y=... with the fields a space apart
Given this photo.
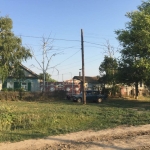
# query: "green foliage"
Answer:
x=6 y=117
x=108 y=69
x=47 y=77
x=11 y=50
x=134 y=65
x=18 y=73
x=21 y=92
x=32 y=120
x=115 y=90
x=7 y=89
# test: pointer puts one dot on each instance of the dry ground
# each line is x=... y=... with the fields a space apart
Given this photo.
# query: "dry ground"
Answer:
x=120 y=138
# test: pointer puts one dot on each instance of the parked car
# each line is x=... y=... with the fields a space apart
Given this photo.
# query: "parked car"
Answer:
x=91 y=96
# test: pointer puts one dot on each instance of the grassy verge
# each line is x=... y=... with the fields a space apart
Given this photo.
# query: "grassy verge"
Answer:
x=24 y=120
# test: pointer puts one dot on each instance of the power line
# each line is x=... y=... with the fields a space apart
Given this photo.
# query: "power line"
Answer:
x=85 y=59
x=63 y=40
x=66 y=58
x=53 y=50
x=92 y=43
x=49 y=38
x=98 y=35
x=76 y=66
x=80 y=66
x=98 y=44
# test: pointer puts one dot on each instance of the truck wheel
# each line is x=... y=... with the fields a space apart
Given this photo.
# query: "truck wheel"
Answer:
x=99 y=100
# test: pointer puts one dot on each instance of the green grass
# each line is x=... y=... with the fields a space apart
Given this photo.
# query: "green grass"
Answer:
x=25 y=120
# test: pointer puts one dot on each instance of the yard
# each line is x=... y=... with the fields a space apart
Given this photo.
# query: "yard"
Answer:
x=20 y=120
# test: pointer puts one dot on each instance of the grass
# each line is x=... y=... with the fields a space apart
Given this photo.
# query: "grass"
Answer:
x=25 y=120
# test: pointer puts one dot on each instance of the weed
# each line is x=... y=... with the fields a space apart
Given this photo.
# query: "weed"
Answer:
x=23 y=120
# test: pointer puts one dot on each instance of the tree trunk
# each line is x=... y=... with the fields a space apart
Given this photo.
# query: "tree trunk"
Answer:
x=136 y=90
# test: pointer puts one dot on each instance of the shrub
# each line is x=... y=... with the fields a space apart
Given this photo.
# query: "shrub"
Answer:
x=6 y=117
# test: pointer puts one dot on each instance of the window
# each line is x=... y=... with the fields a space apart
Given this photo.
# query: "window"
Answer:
x=24 y=86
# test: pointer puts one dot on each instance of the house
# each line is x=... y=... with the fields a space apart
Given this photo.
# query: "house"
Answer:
x=70 y=86
x=130 y=90
x=30 y=82
x=91 y=83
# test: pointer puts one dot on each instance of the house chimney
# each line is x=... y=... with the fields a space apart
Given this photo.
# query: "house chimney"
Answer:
x=79 y=73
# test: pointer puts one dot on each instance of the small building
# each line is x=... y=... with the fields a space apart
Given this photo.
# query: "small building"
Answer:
x=69 y=86
x=91 y=83
x=30 y=82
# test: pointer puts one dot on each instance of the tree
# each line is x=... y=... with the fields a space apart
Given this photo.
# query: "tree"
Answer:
x=45 y=65
x=12 y=53
x=47 y=77
x=134 y=65
x=109 y=50
x=108 y=69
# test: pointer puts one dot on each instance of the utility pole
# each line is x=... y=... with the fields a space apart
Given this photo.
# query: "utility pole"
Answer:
x=44 y=67
x=71 y=84
x=63 y=81
x=83 y=76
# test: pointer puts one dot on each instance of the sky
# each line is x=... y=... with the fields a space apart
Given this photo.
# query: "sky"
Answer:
x=59 y=22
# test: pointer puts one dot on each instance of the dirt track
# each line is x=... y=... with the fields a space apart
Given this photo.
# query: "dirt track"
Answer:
x=120 y=138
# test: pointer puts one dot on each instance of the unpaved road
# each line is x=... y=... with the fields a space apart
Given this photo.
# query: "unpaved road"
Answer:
x=120 y=138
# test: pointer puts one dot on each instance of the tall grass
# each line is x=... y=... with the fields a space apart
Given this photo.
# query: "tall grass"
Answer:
x=24 y=120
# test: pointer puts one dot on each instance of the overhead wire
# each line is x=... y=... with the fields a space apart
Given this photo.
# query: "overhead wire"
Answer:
x=67 y=58
x=92 y=43
x=84 y=59
x=50 y=38
x=76 y=66
x=63 y=39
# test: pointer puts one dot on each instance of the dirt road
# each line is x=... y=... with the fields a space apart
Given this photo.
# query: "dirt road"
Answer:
x=120 y=138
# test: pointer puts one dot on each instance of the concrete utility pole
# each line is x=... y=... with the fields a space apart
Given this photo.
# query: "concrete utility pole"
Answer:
x=83 y=76
x=44 y=66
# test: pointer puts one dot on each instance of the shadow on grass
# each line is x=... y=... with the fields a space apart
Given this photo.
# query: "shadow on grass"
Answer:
x=118 y=102
x=16 y=137
x=75 y=143
x=58 y=142
x=125 y=103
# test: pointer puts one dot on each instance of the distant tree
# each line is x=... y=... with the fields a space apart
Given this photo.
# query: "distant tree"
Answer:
x=12 y=53
x=108 y=69
x=47 y=77
x=44 y=66
x=134 y=65
x=109 y=50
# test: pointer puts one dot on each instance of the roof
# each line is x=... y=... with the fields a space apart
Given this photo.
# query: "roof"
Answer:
x=94 y=79
x=28 y=70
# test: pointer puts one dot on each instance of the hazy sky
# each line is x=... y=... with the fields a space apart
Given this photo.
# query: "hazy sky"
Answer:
x=62 y=21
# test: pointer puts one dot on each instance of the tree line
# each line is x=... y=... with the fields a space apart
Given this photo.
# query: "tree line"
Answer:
x=133 y=66
x=12 y=53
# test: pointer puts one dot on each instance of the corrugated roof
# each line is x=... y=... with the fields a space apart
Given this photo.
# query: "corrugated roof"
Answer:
x=28 y=70
x=88 y=79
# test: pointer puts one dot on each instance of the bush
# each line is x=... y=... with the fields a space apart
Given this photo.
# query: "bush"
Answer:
x=4 y=89
x=6 y=117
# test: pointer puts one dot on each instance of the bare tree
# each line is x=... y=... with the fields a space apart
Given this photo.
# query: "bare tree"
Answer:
x=109 y=50
x=46 y=58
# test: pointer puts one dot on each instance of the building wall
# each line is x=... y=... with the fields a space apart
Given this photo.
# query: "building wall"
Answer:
x=130 y=90
x=92 y=86
x=34 y=83
x=70 y=88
